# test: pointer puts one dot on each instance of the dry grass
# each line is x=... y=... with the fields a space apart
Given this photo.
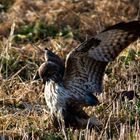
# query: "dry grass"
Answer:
x=26 y=28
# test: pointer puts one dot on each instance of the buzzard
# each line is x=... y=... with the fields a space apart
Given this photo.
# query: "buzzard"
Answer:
x=73 y=84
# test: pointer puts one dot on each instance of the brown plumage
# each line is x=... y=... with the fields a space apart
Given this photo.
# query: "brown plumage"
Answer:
x=71 y=87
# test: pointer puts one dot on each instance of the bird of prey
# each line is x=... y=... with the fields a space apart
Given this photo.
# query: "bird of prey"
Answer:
x=73 y=84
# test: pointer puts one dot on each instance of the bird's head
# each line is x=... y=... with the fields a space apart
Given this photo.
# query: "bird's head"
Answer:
x=52 y=68
x=50 y=71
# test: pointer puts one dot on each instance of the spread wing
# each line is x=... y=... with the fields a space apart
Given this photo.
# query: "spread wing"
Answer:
x=85 y=65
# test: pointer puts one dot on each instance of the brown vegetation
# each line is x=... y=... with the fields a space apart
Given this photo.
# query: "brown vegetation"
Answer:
x=26 y=28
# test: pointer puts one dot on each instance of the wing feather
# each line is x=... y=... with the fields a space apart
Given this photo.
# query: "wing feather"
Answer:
x=85 y=65
x=114 y=40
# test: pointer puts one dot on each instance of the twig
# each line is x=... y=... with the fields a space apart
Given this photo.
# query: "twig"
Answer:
x=19 y=71
x=105 y=126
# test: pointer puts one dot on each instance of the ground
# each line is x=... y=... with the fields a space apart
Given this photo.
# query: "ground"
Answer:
x=26 y=28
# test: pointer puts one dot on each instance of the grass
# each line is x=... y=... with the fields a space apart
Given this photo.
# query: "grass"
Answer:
x=26 y=28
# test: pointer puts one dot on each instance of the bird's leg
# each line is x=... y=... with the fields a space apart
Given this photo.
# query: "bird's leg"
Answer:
x=78 y=118
x=58 y=119
x=61 y=118
x=61 y=121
